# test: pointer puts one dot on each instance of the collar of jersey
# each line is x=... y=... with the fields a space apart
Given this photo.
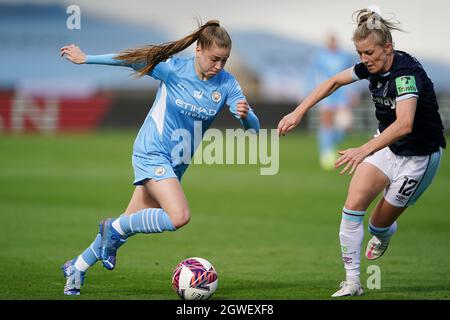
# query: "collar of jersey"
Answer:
x=396 y=53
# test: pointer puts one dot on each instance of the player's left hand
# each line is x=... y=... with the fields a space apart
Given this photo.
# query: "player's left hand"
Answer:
x=242 y=109
x=352 y=158
x=73 y=53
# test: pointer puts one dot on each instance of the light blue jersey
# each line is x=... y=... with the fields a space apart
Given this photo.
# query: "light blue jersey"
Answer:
x=183 y=103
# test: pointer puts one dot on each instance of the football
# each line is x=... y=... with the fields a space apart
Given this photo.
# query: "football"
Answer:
x=194 y=279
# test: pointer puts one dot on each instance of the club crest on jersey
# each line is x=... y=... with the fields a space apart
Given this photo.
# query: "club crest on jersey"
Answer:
x=159 y=171
x=216 y=96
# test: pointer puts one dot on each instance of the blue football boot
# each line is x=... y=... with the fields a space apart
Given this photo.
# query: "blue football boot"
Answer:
x=111 y=242
x=75 y=278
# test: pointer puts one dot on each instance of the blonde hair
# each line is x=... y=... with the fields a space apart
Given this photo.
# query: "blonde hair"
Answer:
x=371 y=22
x=211 y=33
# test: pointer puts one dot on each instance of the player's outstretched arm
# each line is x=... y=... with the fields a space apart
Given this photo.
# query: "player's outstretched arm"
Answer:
x=291 y=120
x=74 y=54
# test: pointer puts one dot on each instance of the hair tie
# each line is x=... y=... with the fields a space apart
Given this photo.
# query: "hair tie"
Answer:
x=375 y=9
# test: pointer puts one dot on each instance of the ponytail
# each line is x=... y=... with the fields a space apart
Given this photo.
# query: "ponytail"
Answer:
x=370 y=21
x=206 y=35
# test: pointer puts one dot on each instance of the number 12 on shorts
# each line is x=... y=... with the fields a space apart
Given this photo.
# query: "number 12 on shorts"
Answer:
x=407 y=187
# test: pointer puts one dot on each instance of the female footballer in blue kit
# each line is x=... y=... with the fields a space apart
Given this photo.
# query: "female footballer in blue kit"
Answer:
x=401 y=160
x=192 y=91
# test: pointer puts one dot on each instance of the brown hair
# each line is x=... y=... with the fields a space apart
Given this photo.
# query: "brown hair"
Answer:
x=370 y=22
x=206 y=35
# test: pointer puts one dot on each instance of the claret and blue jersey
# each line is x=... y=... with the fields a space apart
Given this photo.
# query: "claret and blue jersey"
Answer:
x=406 y=79
x=183 y=102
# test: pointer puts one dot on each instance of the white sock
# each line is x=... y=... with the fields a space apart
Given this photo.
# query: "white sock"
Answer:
x=117 y=227
x=351 y=235
x=81 y=265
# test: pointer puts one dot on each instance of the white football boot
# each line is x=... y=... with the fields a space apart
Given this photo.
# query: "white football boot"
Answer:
x=376 y=247
x=75 y=278
x=349 y=289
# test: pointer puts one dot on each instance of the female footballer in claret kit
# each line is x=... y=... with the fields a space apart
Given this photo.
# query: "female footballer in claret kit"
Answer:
x=401 y=160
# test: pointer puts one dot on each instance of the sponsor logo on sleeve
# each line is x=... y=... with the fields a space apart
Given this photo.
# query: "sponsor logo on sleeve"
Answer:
x=406 y=84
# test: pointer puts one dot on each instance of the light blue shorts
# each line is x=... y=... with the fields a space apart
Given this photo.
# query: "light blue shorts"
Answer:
x=156 y=167
x=334 y=102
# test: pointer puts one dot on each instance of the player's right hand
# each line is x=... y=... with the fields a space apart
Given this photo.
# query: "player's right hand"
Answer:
x=289 y=122
x=73 y=54
x=242 y=109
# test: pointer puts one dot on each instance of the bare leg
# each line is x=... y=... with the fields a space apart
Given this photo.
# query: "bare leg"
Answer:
x=169 y=194
x=170 y=197
x=141 y=200
x=385 y=214
x=155 y=207
x=367 y=182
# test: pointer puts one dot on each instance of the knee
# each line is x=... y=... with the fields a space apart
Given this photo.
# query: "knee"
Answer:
x=356 y=202
x=180 y=217
x=355 y=206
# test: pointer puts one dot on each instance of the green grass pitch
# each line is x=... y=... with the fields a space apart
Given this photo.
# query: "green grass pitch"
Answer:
x=269 y=237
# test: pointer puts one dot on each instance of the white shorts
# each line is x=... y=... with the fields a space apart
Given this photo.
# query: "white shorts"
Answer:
x=409 y=176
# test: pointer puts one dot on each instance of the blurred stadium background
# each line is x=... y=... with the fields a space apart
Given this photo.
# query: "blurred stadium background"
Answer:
x=41 y=92
x=66 y=133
